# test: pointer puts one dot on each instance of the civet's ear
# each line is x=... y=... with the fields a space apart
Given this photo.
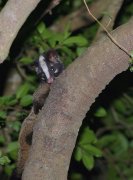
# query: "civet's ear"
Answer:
x=52 y=56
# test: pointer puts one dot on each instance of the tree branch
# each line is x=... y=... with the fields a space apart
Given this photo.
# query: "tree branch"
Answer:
x=70 y=98
x=108 y=19
x=12 y=17
x=79 y=18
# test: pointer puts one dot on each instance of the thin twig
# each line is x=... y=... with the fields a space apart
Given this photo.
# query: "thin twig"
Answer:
x=104 y=28
x=52 y=5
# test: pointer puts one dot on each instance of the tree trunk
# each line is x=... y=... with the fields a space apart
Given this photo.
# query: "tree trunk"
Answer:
x=70 y=98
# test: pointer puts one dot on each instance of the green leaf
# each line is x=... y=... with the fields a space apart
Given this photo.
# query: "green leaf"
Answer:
x=47 y=34
x=12 y=146
x=15 y=125
x=26 y=100
x=52 y=43
x=35 y=39
x=7 y=100
x=12 y=149
x=67 y=33
x=67 y=51
x=26 y=60
x=57 y=38
x=88 y=161
x=3 y=100
x=119 y=106
x=3 y=115
x=44 y=32
x=67 y=62
x=122 y=143
x=78 y=154
x=2 y=139
x=78 y=40
x=12 y=102
x=9 y=169
x=4 y=160
x=87 y=136
x=81 y=50
x=101 y=112
x=92 y=150
x=41 y=28
x=106 y=141
x=23 y=90
x=68 y=54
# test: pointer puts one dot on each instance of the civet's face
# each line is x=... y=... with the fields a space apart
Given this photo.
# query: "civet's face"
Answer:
x=48 y=66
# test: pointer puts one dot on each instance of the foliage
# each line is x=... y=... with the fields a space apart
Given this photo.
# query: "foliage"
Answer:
x=67 y=45
x=86 y=149
x=112 y=140
x=116 y=137
x=3 y=159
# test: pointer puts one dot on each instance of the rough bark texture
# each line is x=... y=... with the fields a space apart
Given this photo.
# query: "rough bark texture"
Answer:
x=70 y=98
x=12 y=17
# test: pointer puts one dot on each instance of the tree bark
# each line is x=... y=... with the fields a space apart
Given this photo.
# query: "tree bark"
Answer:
x=70 y=98
x=12 y=17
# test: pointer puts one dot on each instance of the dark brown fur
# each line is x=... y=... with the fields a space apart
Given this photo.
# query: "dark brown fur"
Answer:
x=25 y=136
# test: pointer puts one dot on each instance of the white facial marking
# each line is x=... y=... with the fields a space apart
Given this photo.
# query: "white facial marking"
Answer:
x=56 y=71
x=44 y=66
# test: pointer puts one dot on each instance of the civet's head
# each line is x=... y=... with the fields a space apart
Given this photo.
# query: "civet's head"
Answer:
x=48 y=66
